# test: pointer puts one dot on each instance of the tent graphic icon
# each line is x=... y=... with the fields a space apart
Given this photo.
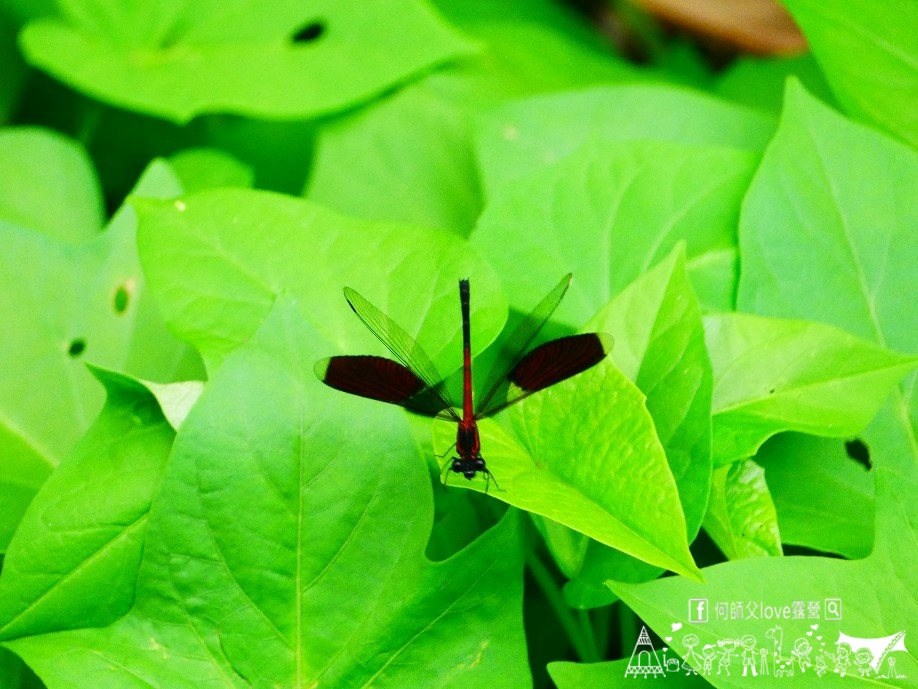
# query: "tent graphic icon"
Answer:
x=644 y=661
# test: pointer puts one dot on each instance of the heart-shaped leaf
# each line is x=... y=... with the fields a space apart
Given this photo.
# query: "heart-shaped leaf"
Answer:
x=878 y=86
x=824 y=498
x=72 y=303
x=600 y=213
x=773 y=375
x=258 y=538
x=75 y=556
x=214 y=260
x=589 y=469
x=49 y=185
x=819 y=243
x=281 y=60
x=523 y=136
x=660 y=346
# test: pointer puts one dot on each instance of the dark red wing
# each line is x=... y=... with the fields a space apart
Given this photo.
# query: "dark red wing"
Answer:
x=558 y=360
x=373 y=377
x=378 y=378
x=551 y=363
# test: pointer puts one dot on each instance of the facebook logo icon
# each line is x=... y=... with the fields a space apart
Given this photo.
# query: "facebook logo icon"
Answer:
x=698 y=610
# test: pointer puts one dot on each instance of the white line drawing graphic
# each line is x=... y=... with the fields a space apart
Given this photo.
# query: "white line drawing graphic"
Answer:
x=841 y=658
x=728 y=646
x=707 y=654
x=644 y=659
x=864 y=657
x=748 y=645
x=763 y=662
x=879 y=647
x=776 y=634
x=670 y=664
x=891 y=673
x=691 y=659
x=698 y=610
x=801 y=652
x=820 y=666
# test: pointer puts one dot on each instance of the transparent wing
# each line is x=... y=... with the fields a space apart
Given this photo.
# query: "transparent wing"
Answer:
x=432 y=399
x=514 y=349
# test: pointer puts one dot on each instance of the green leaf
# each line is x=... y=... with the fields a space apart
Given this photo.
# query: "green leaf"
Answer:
x=204 y=168
x=876 y=595
x=611 y=674
x=217 y=277
x=821 y=242
x=521 y=137
x=15 y=70
x=824 y=499
x=176 y=399
x=76 y=553
x=49 y=185
x=806 y=214
x=894 y=452
x=567 y=547
x=659 y=345
x=14 y=674
x=259 y=536
x=72 y=304
x=372 y=166
x=598 y=486
x=179 y=60
x=773 y=375
x=524 y=57
x=741 y=518
x=611 y=210
x=868 y=53
x=760 y=83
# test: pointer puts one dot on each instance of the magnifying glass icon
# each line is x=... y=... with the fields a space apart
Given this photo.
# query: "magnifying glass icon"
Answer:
x=833 y=609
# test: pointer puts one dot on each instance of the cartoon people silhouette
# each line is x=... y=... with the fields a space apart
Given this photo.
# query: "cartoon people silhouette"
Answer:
x=841 y=658
x=690 y=641
x=707 y=654
x=763 y=661
x=820 y=666
x=748 y=644
x=862 y=659
x=728 y=646
x=801 y=652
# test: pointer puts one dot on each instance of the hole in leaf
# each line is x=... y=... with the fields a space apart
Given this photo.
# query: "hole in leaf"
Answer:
x=310 y=32
x=122 y=299
x=77 y=347
x=858 y=451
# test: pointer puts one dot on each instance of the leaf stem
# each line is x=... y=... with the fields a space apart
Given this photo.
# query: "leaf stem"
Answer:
x=602 y=618
x=578 y=628
x=627 y=627
x=90 y=114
